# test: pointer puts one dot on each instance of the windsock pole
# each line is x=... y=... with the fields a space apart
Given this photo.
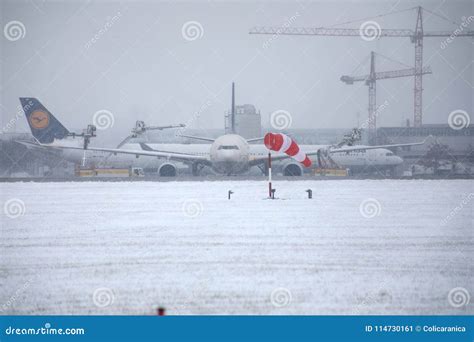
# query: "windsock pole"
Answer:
x=269 y=175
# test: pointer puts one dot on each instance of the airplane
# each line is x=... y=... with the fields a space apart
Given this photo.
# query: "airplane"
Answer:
x=228 y=154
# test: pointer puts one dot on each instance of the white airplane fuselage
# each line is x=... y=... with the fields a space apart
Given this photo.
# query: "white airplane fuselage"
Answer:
x=228 y=154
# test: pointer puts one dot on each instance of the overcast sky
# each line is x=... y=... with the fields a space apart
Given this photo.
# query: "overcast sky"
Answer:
x=134 y=60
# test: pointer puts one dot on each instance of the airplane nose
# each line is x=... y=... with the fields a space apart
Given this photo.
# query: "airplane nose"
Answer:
x=227 y=155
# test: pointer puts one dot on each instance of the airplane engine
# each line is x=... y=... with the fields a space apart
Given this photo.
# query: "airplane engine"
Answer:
x=292 y=169
x=168 y=170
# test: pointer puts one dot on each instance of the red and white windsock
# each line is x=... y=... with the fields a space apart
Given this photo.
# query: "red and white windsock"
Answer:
x=282 y=143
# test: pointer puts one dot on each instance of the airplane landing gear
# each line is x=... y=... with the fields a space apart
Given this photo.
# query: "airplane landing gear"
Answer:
x=264 y=169
x=196 y=168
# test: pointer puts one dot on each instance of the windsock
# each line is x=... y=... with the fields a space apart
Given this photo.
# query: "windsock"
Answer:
x=282 y=143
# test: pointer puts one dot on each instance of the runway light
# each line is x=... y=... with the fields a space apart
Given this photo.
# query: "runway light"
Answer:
x=310 y=193
x=229 y=193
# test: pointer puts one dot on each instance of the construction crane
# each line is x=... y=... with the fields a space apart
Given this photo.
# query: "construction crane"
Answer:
x=370 y=81
x=415 y=36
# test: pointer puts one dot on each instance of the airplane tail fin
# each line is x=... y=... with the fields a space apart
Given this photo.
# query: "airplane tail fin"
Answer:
x=44 y=126
x=232 y=113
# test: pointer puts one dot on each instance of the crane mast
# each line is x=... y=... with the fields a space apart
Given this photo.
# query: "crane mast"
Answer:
x=372 y=101
x=418 y=89
x=370 y=81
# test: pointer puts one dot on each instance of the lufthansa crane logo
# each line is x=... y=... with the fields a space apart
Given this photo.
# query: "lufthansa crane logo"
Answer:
x=39 y=119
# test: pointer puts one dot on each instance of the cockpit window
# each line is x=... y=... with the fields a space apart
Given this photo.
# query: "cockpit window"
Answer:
x=228 y=147
x=389 y=154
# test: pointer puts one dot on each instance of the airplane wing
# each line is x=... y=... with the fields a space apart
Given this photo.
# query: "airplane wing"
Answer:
x=36 y=146
x=31 y=144
x=362 y=148
x=181 y=157
x=281 y=156
x=197 y=138
x=255 y=139
x=263 y=159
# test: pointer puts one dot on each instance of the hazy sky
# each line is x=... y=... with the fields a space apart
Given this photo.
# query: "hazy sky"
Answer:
x=133 y=59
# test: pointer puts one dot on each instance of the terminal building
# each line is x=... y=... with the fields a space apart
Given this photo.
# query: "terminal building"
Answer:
x=446 y=151
x=459 y=142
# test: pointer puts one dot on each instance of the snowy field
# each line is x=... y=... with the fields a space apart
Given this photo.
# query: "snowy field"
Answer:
x=358 y=247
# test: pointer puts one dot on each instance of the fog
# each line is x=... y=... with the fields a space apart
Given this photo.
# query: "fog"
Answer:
x=134 y=60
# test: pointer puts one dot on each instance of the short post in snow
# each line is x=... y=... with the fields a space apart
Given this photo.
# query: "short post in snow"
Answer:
x=229 y=193
x=310 y=193
x=270 y=175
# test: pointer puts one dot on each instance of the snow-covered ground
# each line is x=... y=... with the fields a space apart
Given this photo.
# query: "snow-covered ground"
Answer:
x=358 y=247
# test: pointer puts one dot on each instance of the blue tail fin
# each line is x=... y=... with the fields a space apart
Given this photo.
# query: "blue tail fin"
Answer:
x=44 y=126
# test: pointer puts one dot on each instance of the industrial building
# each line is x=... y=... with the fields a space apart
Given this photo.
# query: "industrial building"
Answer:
x=459 y=142
x=247 y=121
x=448 y=149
